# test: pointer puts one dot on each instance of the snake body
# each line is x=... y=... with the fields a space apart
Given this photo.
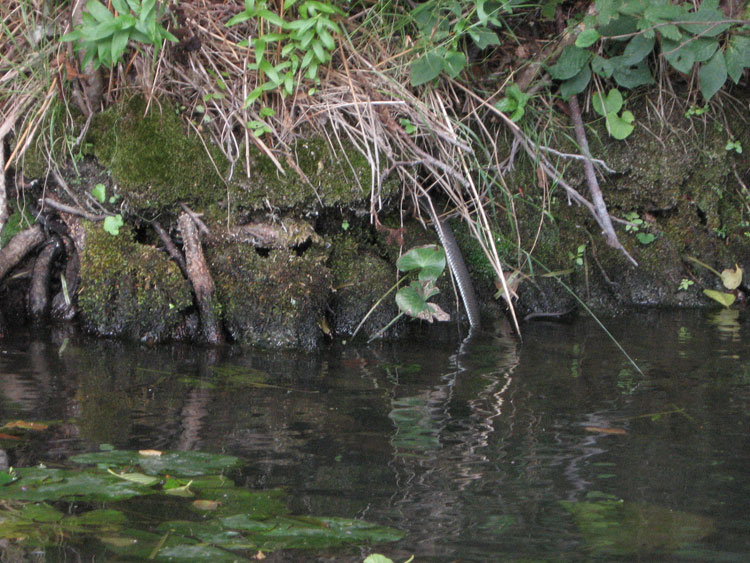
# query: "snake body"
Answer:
x=458 y=268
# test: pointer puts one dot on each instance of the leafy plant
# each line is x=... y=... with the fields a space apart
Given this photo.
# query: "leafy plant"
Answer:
x=443 y=25
x=303 y=44
x=733 y=145
x=730 y=279
x=104 y=36
x=429 y=262
x=113 y=223
x=577 y=258
x=635 y=223
x=514 y=102
x=619 y=126
x=685 y=284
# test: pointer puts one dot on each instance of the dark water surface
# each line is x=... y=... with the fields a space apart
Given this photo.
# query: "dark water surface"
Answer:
x=484 y=449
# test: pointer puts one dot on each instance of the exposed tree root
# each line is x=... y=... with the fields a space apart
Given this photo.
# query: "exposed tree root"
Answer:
x=39 y=291
x=63 y=304
x=200 y=278
x=172 y=250
x=18 y=247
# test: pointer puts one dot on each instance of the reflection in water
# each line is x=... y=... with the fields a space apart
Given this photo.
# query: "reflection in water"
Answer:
x=478 y=449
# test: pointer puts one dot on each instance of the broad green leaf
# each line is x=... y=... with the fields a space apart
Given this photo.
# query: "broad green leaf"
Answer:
x=611 y=104
x=410 y=300
x=712 y=75
x=645 y=238
x=428 y=259
x=119 y=43
x=377 y=558
x=726 y=299
x=426 y=68
x=483 y=37
x=454 y=62
x=732 y=278
x=575 y=85
x=602 y=66
x=709 y=21
x=737 y=57
x=140 y=478
x=99 y=11
x=670 y=32
x=121 y=6
x=680 y=57
x=632 y=77
x=183 y=464
x=622 y=25
x=620 y=126
x=637 y=49
x=570 y=63
x=587 y=38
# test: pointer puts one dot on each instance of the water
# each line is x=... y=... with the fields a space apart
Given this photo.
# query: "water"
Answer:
x=481 y=449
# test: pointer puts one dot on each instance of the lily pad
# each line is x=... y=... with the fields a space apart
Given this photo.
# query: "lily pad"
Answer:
x=44 y=484
x=183 y=464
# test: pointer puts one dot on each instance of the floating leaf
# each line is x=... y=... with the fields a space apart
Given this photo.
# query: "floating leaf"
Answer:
x=726 y=299
x=732 y=278
x=184 y=464
x=140 y=478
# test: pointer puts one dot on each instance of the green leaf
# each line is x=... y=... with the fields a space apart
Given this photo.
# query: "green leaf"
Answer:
x=637 y=49
x=570 y=63
x=611 y=104
x=99 y=11
x=119 y=43
x=99 y=192
x=726 y=299
x=428 y=259
x=632 y=77
x=140 y=478
x=603 y=67
x=454 y=62
x=709 y=21
x=712 y=75
x=587 y=38
x=483 y=37
x=112 y=224
x=670 y=32
x=426 y=68
x=620 y=126
x=645 y=238
x=737 y=57
x=575 y=85
x=121 y=6
x=179 y=463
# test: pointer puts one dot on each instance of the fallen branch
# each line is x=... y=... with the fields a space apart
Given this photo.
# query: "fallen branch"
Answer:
x=601 y=214
x=172 y=250
x=200 y=278
x=54 y=204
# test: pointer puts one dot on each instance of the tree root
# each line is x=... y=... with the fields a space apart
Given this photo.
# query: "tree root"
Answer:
x=40 y=276
x=18 y=247
x=200 y=278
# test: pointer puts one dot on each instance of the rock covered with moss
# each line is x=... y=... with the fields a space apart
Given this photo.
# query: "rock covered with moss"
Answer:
x=130 y=290
x=274 y=301
x=154 y=160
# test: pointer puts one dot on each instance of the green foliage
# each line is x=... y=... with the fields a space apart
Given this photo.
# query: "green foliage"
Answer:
x=113 y=223
x=429 y=262
x=685 y=284
x=443 y=25
x=620 y=36
x=17 y=222
x=735 y=146
x=578 y=257
x=104 y=36
x=295 y=48
x=514 y=102
x=620 y=126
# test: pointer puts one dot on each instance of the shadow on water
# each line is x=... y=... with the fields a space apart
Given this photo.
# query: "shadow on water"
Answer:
x=478 y=449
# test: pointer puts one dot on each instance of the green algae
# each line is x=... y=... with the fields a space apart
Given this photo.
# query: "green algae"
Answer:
x=129 y=289
x=272 y=301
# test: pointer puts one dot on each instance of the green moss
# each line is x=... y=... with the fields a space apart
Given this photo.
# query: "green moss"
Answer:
x=273 y=301
x=154 y=160
x=129 y=289
x=336 y=178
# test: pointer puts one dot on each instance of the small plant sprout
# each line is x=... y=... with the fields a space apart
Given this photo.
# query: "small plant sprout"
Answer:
x=733 y=145
x=685 y=284
x=408 y=126
x=577 y=258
